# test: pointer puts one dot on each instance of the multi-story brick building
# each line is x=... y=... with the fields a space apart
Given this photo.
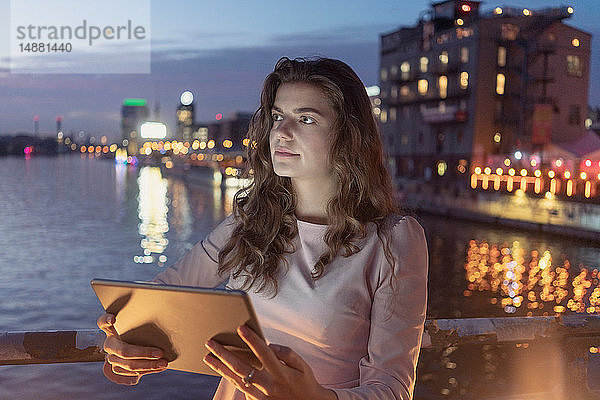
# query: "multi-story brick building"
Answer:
x=461 y=87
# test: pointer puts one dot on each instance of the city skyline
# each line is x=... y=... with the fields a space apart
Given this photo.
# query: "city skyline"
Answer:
x=234 y=48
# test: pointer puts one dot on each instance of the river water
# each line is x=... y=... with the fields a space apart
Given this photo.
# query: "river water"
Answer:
x=65 y=220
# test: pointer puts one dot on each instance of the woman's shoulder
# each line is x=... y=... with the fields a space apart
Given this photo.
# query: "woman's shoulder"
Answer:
x=222 y=231
x=403 y=225
x=406 y=237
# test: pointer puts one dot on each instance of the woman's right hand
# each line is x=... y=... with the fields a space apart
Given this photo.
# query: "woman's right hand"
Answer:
x=125 y=363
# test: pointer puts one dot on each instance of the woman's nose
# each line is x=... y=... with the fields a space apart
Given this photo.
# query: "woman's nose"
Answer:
x=283 y=130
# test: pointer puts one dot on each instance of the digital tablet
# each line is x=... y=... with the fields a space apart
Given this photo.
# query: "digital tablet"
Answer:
x=179 y=319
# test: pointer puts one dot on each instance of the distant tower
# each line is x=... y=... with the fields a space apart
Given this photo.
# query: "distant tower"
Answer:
x=157 y=111
x=36 y=125
x=157 y=106
x=133 y=113
x=185 y=115
x=58 y=124
x=59 y=132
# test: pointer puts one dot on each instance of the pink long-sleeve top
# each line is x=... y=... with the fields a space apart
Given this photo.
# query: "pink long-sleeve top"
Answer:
x=360 y=339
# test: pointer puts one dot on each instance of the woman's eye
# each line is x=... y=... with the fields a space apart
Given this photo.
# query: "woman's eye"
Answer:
x=276 y=117
x=307 y=120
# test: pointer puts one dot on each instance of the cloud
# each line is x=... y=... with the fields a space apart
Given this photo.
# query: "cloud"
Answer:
x=199 y=42
x=223 y=80
x=333 y=35
x=83 y=114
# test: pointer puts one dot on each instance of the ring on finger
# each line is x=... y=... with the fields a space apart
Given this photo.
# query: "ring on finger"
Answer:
x=248 y=378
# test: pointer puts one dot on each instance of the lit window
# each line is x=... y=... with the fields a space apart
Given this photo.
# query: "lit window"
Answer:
x=393 y=114
x=444 y=57
x=422 y=86
x=383 y=116
x=463 y=32
x=509 y=31
x=464 y=80
x=404 y=91
x=464 y=54
x=443 y=38
x=501 y=56
x=394 y=70
x=405 y=68
x=442 y=167
x=423 y=62
x=500 y=81
x=442 y=107
x=384 y=75
x=574 y=67
x=394 y=92
x=443 y=84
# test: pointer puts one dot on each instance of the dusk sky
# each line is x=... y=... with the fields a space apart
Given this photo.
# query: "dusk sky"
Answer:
x=222 y=51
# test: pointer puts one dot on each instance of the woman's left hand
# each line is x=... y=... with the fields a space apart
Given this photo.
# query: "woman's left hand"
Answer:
x=284 y=374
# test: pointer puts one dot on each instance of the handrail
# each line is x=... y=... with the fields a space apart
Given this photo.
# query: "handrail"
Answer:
x=85 y=345
x=441 y=333
x=49 y=347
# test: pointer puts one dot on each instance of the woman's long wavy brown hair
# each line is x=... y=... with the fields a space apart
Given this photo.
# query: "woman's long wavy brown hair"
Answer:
x=264 y=210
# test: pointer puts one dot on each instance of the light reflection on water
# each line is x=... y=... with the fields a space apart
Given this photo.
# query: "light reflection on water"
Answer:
x=482 y=270
x=182 y=218
x=66 y=220
x=159 y=196
x=524 y=282
x=152 y=212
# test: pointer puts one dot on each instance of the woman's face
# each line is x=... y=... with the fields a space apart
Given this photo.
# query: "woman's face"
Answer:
x=301 y=133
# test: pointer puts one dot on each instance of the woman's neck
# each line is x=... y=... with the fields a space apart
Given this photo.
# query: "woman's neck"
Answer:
x=312 y=200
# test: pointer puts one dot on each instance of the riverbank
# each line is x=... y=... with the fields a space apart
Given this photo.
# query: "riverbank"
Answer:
x=26 y=144
x=573 y=219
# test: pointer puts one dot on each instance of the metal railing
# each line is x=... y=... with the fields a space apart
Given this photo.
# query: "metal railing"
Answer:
x=578 y=335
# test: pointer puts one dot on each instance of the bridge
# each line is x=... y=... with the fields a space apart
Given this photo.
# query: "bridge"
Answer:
x=575 y=337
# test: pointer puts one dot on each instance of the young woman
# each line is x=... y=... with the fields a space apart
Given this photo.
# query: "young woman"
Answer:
x=337 y=277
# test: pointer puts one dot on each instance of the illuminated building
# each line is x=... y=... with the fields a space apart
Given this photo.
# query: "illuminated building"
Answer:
x=36 y=125
x=233 y=129
x=58 y=125
x=462 y=86
x=133 y=113
x=185 y=116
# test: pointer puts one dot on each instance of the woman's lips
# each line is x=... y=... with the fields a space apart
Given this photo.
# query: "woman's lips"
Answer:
x=282 y=154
